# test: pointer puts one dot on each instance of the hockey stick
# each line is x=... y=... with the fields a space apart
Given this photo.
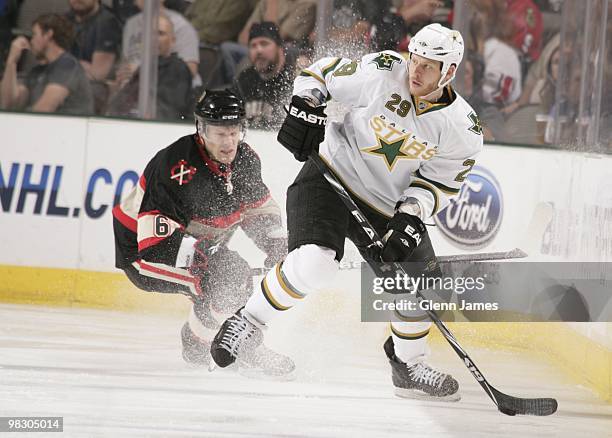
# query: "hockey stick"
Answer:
x=516 y=253
x=505 y=403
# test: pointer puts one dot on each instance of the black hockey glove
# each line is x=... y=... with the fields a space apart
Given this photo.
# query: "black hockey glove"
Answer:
x=303 y=129
x=405 y=233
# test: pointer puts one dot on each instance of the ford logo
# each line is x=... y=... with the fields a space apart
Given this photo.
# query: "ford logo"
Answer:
x=473 y=217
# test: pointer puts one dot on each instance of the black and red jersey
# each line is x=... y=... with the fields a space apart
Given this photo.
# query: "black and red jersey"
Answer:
x=182 y=191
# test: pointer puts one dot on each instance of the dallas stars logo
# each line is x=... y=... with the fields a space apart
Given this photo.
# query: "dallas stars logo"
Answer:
x=391 y=151
x=385 y=61
x=476 y=127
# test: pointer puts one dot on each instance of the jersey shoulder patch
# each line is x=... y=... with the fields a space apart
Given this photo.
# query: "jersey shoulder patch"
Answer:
x=464 y=118
x=386 y=61
x=475 y=125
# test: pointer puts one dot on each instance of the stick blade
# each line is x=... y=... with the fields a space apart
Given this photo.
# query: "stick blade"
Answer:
x=517 y=253
x=525 y=406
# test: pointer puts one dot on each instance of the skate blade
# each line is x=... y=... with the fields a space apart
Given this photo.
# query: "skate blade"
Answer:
x=416 y=394
x=253 y=373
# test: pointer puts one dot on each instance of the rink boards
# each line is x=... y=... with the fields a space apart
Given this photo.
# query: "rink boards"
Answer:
x=60 y=177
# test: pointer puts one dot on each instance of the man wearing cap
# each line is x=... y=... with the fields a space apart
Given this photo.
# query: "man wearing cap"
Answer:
x=267 y=84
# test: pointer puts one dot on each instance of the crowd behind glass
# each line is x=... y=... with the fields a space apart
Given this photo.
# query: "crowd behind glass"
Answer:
x=536 y=71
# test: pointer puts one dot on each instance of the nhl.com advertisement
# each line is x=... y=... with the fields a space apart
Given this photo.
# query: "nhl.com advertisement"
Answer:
x=42 y=184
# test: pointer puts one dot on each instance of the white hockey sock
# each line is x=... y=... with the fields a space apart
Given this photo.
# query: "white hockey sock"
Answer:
x=410 y=340
x=305 y=270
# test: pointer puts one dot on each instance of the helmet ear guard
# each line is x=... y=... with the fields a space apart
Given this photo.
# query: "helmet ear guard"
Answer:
x=439 y=43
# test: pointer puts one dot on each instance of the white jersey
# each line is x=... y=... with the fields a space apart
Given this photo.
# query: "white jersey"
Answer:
x=502 y=73
x=391 y=145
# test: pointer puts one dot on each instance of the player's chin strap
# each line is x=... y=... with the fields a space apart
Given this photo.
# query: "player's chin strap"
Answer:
x=441 y=86
x=428 y=97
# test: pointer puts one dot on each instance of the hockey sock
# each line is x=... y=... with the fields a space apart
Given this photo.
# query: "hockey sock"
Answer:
x=410 y=340
x=305 y=270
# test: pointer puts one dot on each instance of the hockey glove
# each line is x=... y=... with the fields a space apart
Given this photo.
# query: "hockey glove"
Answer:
x=404 y=233
x=303 y=129
x=203 y=250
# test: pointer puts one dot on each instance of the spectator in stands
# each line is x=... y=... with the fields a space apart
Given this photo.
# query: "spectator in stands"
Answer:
x=502 y=84
x=491 y=36
x=527 y=29
x=418 y=13
x=548 y=93
x=388 y=31
x=295 y=19
x=98 y=37
x=186 y=38
x=96 y=45
x=536 y=78
x=58 y=83
x=27 y=12
x=397 y=20
x=488 y=31
x=217 y=21
x=124 y=9
x=8 y=16
x=349 y=30
x=173 y=82
x=265 y=86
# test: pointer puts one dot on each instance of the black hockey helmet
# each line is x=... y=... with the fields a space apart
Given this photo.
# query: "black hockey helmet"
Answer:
x=220 y=107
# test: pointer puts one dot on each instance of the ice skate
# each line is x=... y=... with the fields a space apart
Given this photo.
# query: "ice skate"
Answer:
x=419 y=380
x=238 y=336
x=264 y=363
x=196 y=351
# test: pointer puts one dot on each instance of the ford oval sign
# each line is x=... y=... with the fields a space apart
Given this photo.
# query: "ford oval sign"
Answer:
x=473 y=217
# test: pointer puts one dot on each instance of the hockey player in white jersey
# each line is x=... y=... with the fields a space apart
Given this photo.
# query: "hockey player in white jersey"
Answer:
x=404 y=148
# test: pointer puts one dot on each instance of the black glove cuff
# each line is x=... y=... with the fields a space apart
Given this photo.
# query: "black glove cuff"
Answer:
x=302 y=112
x=400 y=220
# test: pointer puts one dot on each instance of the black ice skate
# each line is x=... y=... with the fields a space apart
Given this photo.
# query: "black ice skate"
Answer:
x=196 y=351
x=240 y=334
x=419 y=380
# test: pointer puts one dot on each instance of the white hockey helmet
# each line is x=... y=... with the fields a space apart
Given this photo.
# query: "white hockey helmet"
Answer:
x=439 y=43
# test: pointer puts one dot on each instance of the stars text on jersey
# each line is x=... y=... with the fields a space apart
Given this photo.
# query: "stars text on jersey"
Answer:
x=395 y=143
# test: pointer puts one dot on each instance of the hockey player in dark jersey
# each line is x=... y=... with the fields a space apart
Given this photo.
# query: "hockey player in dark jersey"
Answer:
x=171 y=231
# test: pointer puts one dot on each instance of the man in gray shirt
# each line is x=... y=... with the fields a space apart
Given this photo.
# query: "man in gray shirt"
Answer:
x=58 y=83
x=186 y=46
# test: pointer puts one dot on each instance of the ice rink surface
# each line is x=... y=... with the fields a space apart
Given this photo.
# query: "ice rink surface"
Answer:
x=117 y=374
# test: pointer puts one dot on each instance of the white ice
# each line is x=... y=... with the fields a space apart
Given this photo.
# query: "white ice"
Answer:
x=118 y=374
